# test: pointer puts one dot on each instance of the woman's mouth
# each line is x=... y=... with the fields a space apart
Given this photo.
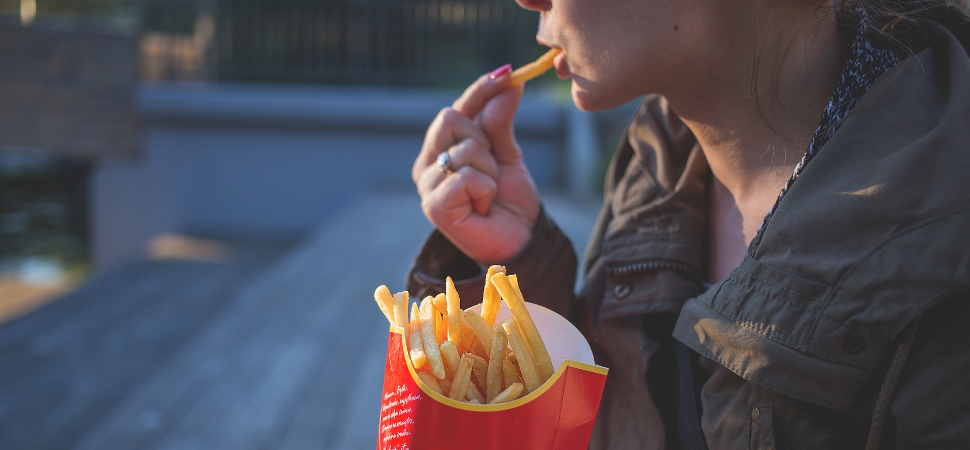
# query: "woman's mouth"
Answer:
x=562 y=67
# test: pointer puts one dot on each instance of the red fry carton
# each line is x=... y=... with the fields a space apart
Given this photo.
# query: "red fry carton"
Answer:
x=559 y=415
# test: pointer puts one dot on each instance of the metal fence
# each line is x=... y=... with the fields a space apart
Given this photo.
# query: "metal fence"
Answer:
x=384 y=42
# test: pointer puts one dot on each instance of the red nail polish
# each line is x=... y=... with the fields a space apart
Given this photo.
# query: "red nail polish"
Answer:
x=501 y=71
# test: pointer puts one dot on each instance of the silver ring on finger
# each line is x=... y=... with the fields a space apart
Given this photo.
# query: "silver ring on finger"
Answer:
x=444 y=163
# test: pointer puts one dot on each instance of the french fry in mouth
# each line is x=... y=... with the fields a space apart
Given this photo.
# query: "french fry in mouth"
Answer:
x=534 y=69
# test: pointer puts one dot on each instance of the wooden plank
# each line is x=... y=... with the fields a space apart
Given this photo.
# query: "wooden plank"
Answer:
x=348 y=414
x=273 y=349
x=96 y=371
x=237 y=429
x=92 y=368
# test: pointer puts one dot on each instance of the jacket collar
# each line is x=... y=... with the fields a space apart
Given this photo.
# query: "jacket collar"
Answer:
x=872 y=234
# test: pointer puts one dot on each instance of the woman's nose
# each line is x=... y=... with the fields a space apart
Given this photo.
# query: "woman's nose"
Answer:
x=535 y=5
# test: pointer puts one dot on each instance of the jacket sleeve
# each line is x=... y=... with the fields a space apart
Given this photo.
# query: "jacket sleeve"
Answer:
x=931 y=407
x=546 y=269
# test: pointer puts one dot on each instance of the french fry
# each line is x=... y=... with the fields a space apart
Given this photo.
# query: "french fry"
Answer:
x=480 y=327
x=450 y=354
x=479 y=370
x=491 y=300
x=493 y=374
x=530 y=373
x=513 y=298
x=474 y=402
x=467 y=355
x=534 y=69
x=441 y=303
x=441 y=325
x=459 y=386
x=418 y=358
x=426 y=313
x=473 y=395
x=514 y=280
x=510 y=393
x=454 y=312
x=509 y=373
x=430 y=380
x=401 y=309
x=385 y=302
x=445 y=386
x=471 y=344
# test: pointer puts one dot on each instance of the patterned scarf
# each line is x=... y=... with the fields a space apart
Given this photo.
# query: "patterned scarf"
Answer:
x=867 y=61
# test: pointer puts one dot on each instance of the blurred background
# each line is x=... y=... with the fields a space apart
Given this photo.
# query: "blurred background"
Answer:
x=198 y=198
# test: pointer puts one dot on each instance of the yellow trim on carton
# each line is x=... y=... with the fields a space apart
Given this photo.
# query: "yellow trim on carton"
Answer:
x=499 y=406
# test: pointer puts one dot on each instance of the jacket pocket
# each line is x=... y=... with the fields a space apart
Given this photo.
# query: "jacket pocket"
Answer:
x=646 y=286
x=761 y=427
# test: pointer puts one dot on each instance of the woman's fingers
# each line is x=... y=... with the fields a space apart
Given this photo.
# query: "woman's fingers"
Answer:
x=471 y=153
x=460 y=194
x=448 y=128
x=465 y=153
x=476 y=96
x=496 y=122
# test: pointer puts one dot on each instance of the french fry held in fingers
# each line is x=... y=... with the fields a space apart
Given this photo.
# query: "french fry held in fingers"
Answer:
x=431 y=351
x=534 y=69
x=418 y=358
x=513 y=298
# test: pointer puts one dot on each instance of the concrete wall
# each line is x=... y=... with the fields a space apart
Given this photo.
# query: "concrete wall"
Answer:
x=271 y=161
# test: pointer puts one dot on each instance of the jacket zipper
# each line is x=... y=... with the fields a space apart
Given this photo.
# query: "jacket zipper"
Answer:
x=656 y=265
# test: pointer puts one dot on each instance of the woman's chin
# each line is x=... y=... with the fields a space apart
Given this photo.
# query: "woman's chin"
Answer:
x=592 y=99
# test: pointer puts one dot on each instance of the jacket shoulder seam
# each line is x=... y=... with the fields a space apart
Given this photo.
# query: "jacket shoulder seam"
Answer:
x=764 y=280
x=873 y=252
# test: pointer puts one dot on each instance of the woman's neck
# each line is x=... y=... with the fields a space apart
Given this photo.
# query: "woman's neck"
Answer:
x=754 y=104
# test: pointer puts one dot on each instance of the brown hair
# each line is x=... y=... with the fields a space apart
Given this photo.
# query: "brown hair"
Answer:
x=903 y=21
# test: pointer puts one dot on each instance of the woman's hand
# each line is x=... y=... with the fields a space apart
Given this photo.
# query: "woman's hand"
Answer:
x=488 y=205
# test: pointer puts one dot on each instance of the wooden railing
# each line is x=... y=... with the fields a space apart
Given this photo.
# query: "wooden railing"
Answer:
x=355 y=42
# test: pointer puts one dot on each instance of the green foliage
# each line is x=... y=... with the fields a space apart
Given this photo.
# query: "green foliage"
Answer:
x=43 y=210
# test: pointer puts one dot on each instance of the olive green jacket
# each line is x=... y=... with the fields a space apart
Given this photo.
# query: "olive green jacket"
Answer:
x=799 y=342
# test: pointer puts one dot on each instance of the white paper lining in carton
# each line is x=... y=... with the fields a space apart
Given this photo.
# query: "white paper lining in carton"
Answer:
x=563 y=341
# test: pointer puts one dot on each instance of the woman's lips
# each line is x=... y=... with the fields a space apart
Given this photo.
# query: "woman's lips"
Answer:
x=562 y=67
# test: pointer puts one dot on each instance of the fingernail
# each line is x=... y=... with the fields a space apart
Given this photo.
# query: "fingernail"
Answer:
x=501 y=71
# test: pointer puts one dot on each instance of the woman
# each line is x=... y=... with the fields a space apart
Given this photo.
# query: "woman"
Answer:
x=731 y=316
